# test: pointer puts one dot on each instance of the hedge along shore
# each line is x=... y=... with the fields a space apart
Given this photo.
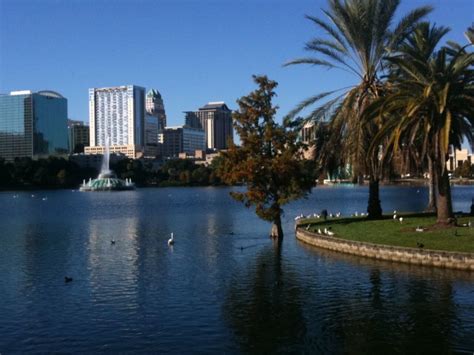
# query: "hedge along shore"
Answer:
x=444 y=259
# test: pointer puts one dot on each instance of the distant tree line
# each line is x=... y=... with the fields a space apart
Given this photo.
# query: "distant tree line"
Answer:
x=176 y=172
x=25 y=173
x=50 y=173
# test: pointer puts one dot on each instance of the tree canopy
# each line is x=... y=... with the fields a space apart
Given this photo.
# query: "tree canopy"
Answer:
x=269 y=160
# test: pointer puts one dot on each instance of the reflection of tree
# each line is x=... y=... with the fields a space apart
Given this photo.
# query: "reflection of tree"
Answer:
x=431 y=316
x=379 y=307
x=264 y=307
x=390 y=314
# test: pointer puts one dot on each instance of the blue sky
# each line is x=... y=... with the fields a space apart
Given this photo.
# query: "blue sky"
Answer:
x=191 y=51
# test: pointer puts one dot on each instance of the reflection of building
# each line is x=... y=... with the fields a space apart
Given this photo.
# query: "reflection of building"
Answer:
x=182 y=139
x=215 y=119
x=155 y=107
x=117 y=114
x=103 y=274
x=457 y=158
x=33 y=124
x=78 y=136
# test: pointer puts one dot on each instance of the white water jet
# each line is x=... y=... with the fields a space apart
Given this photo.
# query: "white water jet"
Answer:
x=107 y=180
x=105 y=169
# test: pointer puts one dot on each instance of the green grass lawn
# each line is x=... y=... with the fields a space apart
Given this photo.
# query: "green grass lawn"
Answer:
x=391 y=232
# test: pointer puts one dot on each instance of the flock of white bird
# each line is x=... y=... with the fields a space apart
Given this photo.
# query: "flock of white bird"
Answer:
x=327 y=231
x=316 y=215
x=395 y=217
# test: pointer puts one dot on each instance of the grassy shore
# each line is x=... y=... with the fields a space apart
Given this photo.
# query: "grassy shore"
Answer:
x=391 y=232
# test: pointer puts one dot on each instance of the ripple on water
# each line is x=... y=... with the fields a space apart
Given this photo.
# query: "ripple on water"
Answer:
x=223 y=287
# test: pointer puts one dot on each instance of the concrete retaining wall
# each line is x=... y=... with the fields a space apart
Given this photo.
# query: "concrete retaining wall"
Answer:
x=452 y=260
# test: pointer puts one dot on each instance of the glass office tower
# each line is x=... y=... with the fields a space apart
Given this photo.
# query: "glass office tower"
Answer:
x=33 y=124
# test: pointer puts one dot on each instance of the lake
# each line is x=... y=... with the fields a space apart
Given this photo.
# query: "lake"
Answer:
x=223 y=287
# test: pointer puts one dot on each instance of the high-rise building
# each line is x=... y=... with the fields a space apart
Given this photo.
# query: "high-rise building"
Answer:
x=215 y=119
x=181 y=139
x=155 y=107
x=78 y=136
x=117 y=114
x=308 y=136
x=151 y=136
x=33 y=124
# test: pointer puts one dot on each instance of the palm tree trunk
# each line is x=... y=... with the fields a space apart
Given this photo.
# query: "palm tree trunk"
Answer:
x=444 y=204
x=431 y=189
x=374 y=209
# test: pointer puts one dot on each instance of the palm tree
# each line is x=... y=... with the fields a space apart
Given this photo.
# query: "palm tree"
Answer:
x=432 y=98
x=359 y=35
x=470 y=34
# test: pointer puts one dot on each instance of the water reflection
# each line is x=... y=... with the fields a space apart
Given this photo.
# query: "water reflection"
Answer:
x=394 y=306
x=264 y=306
x=224 y=287
x=113 y=268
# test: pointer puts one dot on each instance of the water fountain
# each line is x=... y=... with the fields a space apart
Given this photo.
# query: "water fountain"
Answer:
x=107 y=180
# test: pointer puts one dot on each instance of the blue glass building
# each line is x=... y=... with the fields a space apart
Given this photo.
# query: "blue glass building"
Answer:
x=33 y=124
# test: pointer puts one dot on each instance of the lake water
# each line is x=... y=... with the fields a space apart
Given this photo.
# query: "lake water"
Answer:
x=223 y=287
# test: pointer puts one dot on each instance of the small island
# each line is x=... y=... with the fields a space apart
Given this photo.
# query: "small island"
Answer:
x=409 y=238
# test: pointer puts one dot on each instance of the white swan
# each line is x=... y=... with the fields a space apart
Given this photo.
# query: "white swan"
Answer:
x=171 y=240
x=401 y=219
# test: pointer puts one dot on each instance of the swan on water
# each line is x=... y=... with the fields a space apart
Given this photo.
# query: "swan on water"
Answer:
x=171 y=240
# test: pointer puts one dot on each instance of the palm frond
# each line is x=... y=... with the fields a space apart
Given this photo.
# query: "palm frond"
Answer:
x=308 y=102
x=311 y=61
x=406 y=24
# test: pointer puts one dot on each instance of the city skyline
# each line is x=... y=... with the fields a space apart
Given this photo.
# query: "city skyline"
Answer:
x=175 y=48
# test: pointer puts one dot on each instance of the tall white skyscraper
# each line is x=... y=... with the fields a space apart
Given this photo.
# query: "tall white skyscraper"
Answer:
x=117 y=114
